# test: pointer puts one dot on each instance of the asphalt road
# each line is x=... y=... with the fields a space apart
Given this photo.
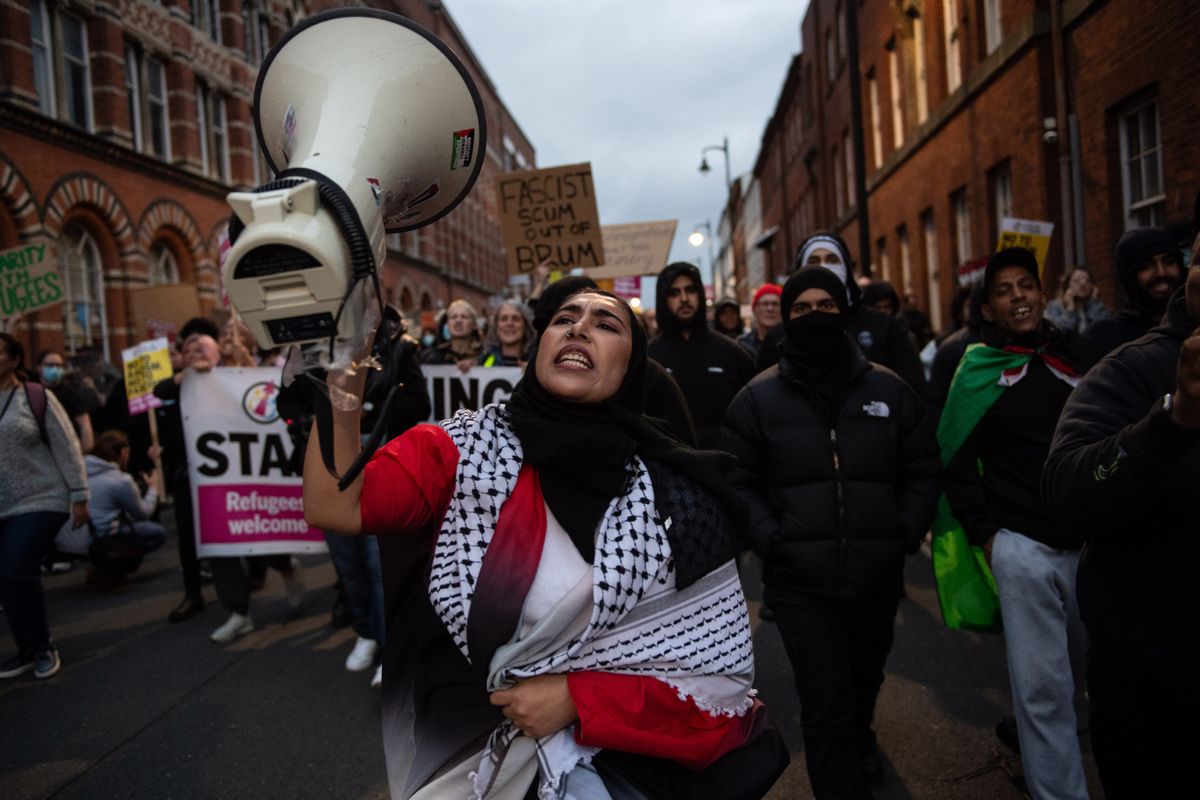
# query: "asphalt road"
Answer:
x=147 y=709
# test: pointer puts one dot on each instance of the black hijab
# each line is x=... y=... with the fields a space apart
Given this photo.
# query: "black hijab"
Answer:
x=580 y=449
x=816 y=352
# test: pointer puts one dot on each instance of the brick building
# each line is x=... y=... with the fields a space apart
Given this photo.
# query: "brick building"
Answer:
x=123 y=125
x=960 y=126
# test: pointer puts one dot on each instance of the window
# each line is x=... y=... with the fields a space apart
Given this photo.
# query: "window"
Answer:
x=164 y=267
x=206 y=15
x=842 y=42
x=897 y=108
x=848 y=154
x=993 y=33
x=1000 y=181
x=212 y=123
x=932 y=274
x=156 y=108
x=133 y=88
x=962 y=226
x=838 y=190
x=906 y=283
x=76 y=75
x=885 y=271
x=254 y=31
x=919 y=70
x=953 y=38
x=85 y=323
x=43 y=56
x=876 y=122
x=1141 y=168
x=830 y=57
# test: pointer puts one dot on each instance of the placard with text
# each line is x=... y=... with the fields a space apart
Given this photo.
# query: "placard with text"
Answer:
x=548 y=216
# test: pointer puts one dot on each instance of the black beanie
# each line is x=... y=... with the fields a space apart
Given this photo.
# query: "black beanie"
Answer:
x=1010 y=257
x=812 y=278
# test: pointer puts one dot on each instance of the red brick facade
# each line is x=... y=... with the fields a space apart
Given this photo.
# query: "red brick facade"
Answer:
x=931 y=148
x=60 y=180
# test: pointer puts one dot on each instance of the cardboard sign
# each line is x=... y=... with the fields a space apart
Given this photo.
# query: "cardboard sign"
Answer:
x=160 y=311
x=636 y=248
x=548 y=216
x=1033 y=235
x=246 y=498
x=145 y=365
x=451 y=389
x=29 y=279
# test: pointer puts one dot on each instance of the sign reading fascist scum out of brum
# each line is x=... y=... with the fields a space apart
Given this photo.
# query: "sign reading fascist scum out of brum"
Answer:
x=246 y=497
x=29 y=279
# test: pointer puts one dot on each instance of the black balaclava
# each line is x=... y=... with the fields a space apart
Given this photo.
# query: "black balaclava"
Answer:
x=831 y=241
x=1134 y=251
x=580 y=449
x=667 y=322
x=817 y=352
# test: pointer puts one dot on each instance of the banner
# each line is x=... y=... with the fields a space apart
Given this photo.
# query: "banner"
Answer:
x=548 y=216
x=160 y=311
x=246 y=499
x=451 y=389
x=29 y=279
x=145 y=365
x=1033 y=235
x=635 y=248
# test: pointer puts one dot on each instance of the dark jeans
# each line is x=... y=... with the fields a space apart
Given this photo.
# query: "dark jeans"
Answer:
x=838 y=647
x=356 y=559
x=181 y=492
x=24 y=540
x=1144 y=703
x=232 y=582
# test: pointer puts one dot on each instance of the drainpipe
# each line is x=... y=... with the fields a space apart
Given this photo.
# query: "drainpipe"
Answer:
x=860 y=156
x=1061 y=114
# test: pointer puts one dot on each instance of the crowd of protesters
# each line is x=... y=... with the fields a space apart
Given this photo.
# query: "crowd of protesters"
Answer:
x=1059 y=436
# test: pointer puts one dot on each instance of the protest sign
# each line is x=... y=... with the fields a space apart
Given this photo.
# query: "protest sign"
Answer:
x=160 y=311
x=145 y=365
x=1033 y=235
x=246 y=497
x=29 y=279
x=451 y=389
x=548 y=216
x=635 y=248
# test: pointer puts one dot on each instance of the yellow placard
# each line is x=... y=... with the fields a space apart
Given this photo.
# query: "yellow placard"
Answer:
x=1032 y=235
x=145 y=365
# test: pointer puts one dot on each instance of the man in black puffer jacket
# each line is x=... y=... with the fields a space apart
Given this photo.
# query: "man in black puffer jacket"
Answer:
x=840 y=468
x=883 y=339
x=1122 y=475
x=709 y=368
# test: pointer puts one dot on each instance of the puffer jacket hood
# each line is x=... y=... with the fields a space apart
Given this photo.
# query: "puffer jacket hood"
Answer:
x=667 y=322
x=1134 y=250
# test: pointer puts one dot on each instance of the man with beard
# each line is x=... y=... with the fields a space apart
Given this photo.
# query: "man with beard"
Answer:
x=1150 y=267
x=709 y=368
x=1122 y=475
x=840 y=470
x=995 y=434
x=883 y=339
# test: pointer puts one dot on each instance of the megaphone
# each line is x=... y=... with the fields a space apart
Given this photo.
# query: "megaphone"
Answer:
x=373 y=125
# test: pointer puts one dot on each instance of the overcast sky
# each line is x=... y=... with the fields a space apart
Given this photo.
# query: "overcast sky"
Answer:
x=638 y=87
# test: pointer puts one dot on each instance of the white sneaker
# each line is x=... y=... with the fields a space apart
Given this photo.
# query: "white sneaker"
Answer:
x=362 y=656
x=235 y=626
x=377 y=681
x=293 y=582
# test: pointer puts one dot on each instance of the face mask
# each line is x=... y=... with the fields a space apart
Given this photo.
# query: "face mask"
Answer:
x=427 y=339
x=816 y=334
x=52 y=374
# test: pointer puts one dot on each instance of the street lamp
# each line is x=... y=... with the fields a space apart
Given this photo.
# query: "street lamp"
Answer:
x=724 y=148
x=696 y=238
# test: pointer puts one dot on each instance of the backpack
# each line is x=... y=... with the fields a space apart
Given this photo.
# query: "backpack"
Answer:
x=35 y=394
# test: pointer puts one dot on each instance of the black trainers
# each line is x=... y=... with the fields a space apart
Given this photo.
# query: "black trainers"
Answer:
x=17 y=665
x=190 y=607
x=46 y=663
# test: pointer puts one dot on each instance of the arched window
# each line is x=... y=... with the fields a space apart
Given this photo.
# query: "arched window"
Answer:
x=426 y=302
x=406 y=300
x=164 y=266
x=85 y=323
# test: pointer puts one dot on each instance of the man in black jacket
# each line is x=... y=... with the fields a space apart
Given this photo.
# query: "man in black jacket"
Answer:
x=1150 y=267
x=709 y=368
x=840 y=469
x=1014 y=384
x=1122 y=475
x=883 y=339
